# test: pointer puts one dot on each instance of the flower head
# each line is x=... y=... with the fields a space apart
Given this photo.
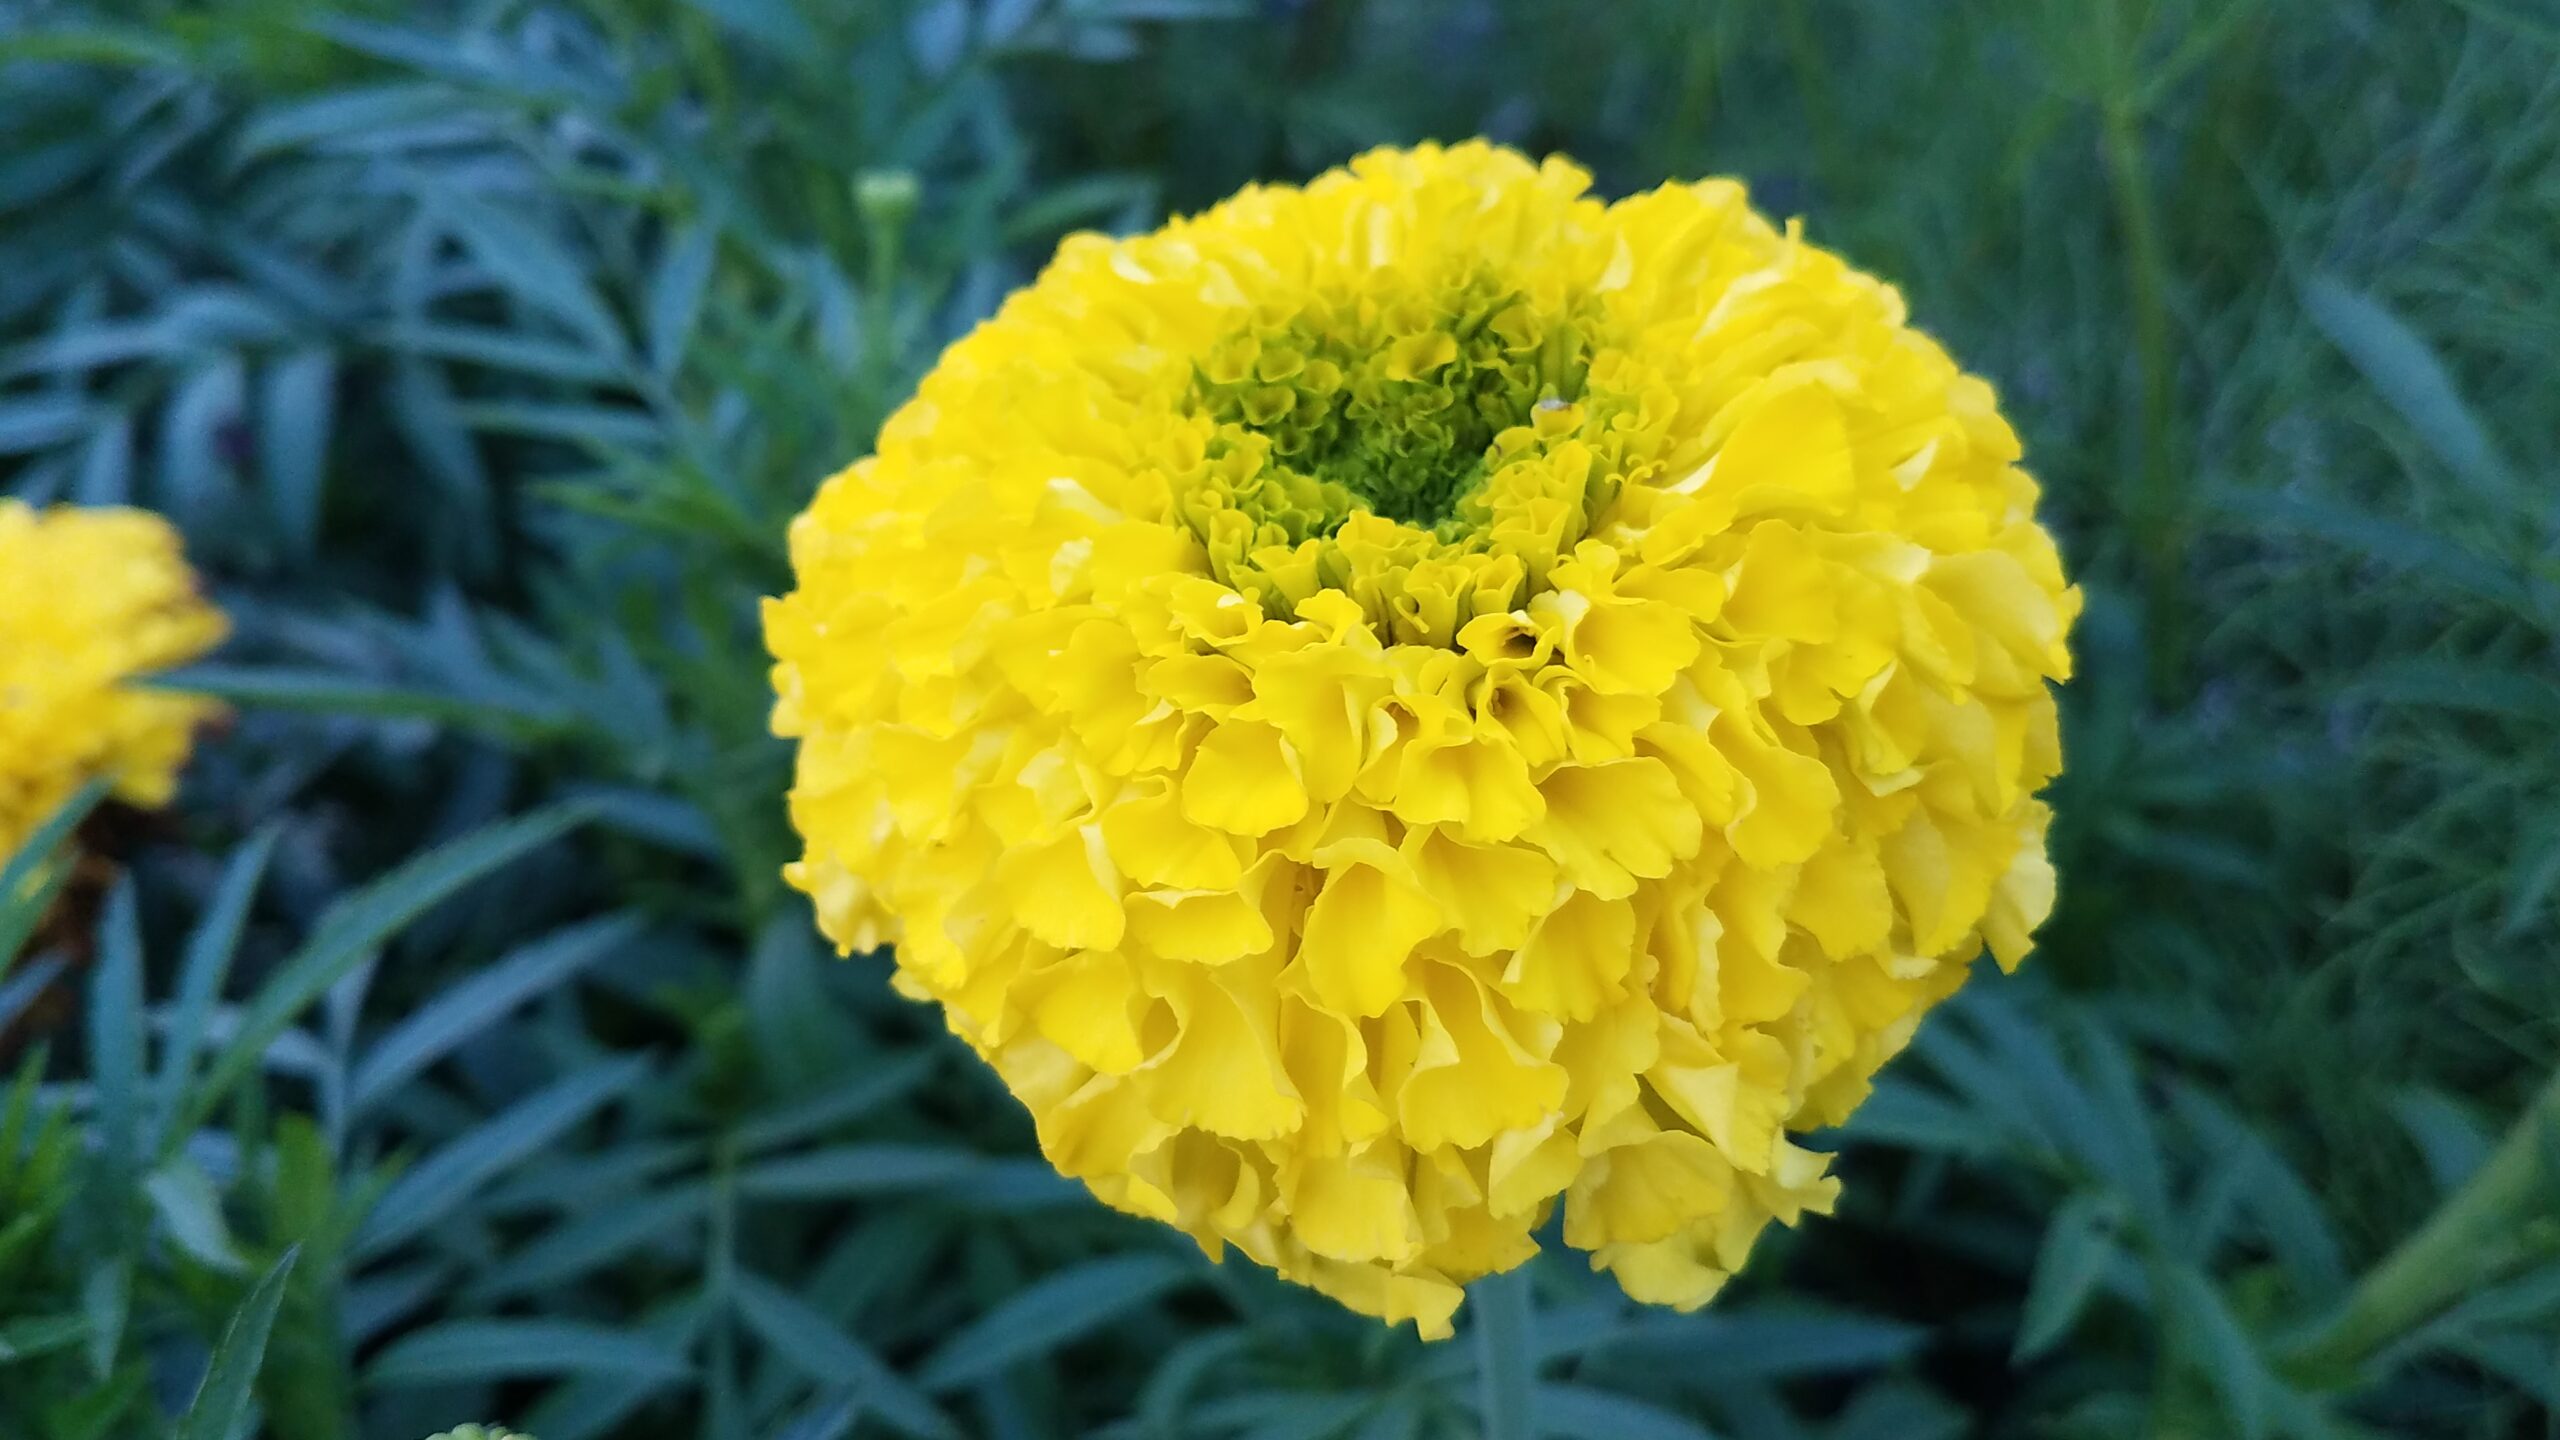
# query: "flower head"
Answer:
x=1391 y=705
x=89 y=601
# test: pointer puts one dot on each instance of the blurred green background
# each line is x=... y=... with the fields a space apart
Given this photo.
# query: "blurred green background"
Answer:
x=483 y=351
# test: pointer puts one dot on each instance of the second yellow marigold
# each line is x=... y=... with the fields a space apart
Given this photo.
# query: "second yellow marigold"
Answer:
x=91 y=600
x=1393 y=704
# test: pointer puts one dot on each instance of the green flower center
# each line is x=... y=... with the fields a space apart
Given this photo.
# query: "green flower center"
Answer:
x=1428 y=449
x=1393 y=408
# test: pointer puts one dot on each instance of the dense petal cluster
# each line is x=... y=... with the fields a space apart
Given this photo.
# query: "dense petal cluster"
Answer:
x=89 y=601
x=1395 y=704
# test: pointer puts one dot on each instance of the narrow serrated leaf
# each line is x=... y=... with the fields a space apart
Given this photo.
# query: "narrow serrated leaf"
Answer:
x=210 y=951
x=820 y=1348
x=453 y=1177
x=351 y=931
x=442 y=1025
x=675 y=295
x=466 y=1352
x=115 y=1034
x=847 y=1170
x=2077 y=1245
x=2411 y=378
x=1054 y=1311
x=1574 y=1412
x=222 y=1402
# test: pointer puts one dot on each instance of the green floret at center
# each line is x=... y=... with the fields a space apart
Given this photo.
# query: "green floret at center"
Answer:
x=1392 y=408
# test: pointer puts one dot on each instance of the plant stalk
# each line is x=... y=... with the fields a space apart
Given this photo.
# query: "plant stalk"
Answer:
x=2478 y=1232
x=2159 y=502
x=1505 y=1366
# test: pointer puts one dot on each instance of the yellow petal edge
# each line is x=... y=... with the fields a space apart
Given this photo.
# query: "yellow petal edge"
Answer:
x=1391 y=705
x=91 y=600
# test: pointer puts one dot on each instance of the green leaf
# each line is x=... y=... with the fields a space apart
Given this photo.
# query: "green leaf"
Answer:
x=578 y=1248
x=1742 y=1343
x=327 y=693
x=30 y=878
x=40 y=1335
x=1056 y=1310
x=856 y=1095
x=355 y=111
x=2450 y=1138
x=464 y=1352
x=40 y=422
x=442 y=1025
x=208 y=962
x=491 y=348
x=1898 y=1410
x=2536 y=873
x=1178 y=1378
x=848 y=1170
x=830 y=1419
x=297 y=403
x=221 y=1405
x=454 y=1176
x=21 y=987
x=2078 y=1245
x=2388 y=541
x=191 y=1212
x=526 y=261
x=2434 y=682
x=675 y=296
x=1577 y=1412
x=115 y=1034
x=354 y=927
x=604 y=430
x=106 y=1302
x=429 y=418
x=821 y=1349
x=2411 y=379
x=2502 y=14
x=595 y=1406
x=2214 y=1338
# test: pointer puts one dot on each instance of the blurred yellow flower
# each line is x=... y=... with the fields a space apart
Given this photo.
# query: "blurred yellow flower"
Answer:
x=1392 y=704
x=89 y=601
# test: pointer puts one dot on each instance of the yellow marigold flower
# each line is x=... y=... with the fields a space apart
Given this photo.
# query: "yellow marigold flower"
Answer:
x=1389 y=705
x=90 y=600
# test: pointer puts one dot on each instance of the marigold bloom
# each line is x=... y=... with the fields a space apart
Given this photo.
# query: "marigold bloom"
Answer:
x=90 y=600
x=1391 y=704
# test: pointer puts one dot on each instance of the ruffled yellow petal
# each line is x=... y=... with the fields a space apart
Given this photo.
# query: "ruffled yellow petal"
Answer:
x=1397 y=703
x=90 y=601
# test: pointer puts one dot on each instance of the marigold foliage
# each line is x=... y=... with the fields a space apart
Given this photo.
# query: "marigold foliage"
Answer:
x=1389 y=705
x=90 y=600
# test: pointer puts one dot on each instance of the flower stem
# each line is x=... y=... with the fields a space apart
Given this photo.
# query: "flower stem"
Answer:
x=2477 y=1232
x=2157 y=501
x=1505 y=1369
